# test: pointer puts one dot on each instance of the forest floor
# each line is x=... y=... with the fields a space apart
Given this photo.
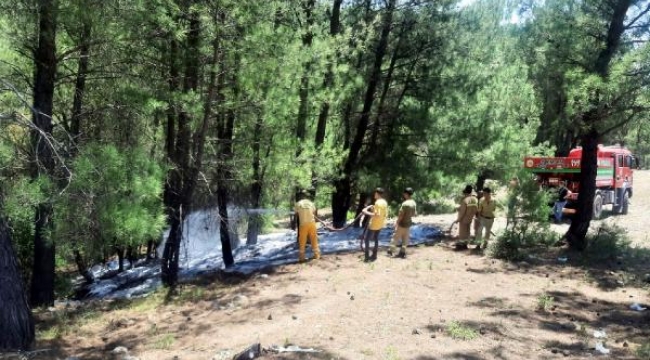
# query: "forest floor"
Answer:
x=436 y=304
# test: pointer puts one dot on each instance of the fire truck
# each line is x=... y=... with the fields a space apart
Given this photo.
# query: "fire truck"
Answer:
x=614 y=180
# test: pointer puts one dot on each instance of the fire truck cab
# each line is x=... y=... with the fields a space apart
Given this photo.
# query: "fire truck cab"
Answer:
x=614 y=180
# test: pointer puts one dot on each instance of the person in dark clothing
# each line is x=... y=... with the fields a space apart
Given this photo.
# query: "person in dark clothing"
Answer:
x=562 y=196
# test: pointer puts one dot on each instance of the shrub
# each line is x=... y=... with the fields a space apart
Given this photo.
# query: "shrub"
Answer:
x=545 y=302
x=114 y=200
x=461 y=332
x=513 y=242
x=528 y=221
x=606 y=243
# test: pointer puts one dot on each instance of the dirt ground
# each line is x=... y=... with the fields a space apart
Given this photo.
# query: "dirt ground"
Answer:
x=417 y=308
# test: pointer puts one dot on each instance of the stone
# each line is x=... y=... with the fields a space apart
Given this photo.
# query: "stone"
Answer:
x=240 y=301
x=416 y=332
x=120 y=350
x=125 y=322
x=352 y=297
x=270 y=317
x=554 y=351
x=294 y=317
x=625 y=344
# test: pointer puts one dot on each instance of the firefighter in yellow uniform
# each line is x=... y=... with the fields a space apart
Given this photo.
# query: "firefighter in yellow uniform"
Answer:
x=403 y=224
x=377 y=222
x=306 y=214
x=486 y=209
x=466 y=213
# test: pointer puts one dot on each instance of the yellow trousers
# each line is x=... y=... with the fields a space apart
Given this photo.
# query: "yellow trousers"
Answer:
x=304 y=231
x=484 y=223
x=463 y=230
x=401 y=235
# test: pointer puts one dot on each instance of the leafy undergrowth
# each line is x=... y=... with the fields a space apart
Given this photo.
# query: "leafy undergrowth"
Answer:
x=459 y=331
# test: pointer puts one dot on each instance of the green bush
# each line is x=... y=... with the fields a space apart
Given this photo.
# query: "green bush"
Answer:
x=114 y=199
x=606 y=243
x=528 y=224
x=22 y=197
x=545 y=302
x=459 y=331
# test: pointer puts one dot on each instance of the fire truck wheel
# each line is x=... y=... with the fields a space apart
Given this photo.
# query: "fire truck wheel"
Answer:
x=626 y=202
x=598 y=206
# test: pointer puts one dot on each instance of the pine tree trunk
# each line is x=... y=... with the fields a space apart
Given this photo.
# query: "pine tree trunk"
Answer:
x=80 y=84
x=170 y=258
x=152 y=245
x=224 y=226
x=303 y=92
x=328 y=84
x=362 y=204
x=42 y=289
x=255 y=219
x=120 y=259
x=186 y=149
x=16 y=322
x=342 y=187
x=341 y=201
x=225 y=133
x=82 y=267
x=576 y=235
x=223 y=176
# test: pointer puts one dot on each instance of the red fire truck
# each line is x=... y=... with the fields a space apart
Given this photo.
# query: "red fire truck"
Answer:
x=613 y=182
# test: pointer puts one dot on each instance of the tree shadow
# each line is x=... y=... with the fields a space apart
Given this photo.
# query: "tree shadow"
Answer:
x=489 y=302
x=579 y=350
x=322 y=355
x=626 y=267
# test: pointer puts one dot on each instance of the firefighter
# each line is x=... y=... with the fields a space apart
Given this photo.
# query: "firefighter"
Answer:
x=403 y=224
x=378 y=213
x=306 y=215
x=485 y=217
x=562 y=196
x=466 y=213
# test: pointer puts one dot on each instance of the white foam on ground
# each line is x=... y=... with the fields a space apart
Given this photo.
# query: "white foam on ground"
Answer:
x=201 y=253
